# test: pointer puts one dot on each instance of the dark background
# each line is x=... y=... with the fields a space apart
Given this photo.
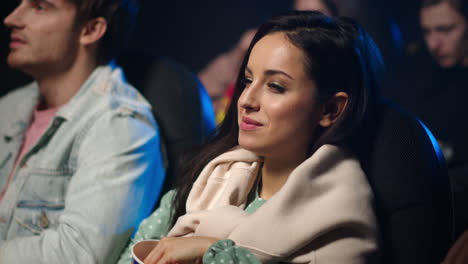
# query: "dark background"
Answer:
x=194 y=32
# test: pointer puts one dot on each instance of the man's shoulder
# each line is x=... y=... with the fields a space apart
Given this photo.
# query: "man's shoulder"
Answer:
x=28 y=91
x=18 y=104
x=124 y=98
x=106 y=94
x=119 y=93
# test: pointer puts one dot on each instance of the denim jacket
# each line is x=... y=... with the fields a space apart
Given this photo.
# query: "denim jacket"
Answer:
x=81 y=190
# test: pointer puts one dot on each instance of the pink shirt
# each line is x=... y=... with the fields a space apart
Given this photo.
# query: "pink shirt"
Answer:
x=40 y=121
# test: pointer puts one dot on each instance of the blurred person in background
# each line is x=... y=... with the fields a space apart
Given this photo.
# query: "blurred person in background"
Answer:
x=80 y=163
x=221 y=72
x=432 y=84
x=445 y=29
x=327 y=7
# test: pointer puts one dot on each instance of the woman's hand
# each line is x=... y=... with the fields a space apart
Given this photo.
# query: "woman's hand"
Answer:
x=180 y=250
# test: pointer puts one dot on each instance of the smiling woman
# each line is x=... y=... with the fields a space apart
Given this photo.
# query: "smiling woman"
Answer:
x=278 y=102
x=279 y=181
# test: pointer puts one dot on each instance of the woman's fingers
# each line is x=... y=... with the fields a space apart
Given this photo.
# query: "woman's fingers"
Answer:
x=155 y=255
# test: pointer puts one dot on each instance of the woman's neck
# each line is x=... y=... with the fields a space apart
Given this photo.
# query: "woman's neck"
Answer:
x=275 y=172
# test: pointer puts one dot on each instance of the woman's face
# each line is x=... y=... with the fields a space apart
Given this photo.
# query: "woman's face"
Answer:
x=277 y=112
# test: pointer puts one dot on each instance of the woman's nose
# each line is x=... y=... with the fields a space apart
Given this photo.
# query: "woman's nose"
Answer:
x=249 y=99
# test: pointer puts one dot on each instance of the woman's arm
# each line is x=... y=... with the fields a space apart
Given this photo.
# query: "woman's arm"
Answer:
x=226 y=251
x=197 y=249
x=211 y=250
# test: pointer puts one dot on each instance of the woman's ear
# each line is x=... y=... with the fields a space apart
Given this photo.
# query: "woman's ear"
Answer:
x=333 y=108
x=93 y=30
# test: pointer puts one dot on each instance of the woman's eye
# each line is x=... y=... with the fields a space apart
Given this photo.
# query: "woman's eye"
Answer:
x=277 y=88
x=246 y=81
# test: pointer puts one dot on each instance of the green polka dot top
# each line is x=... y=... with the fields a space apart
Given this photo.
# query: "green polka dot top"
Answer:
x=158 y=224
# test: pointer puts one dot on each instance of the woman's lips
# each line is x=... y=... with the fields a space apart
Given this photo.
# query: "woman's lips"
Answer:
x=249 y=124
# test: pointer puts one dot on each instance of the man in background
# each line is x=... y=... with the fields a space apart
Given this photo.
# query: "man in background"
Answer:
x=443 y=107
x=80 y=161
x=328 y=7
x=434 y=88
x=445 y=29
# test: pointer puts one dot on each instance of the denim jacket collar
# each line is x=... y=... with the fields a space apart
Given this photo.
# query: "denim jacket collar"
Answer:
x=104 y=79
x=19 y=119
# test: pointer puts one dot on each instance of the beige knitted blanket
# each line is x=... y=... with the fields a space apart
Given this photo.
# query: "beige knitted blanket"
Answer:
x=322 y=214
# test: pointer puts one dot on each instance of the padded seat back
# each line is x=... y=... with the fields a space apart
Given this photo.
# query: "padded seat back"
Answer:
x=179 y=101
x=407 y=173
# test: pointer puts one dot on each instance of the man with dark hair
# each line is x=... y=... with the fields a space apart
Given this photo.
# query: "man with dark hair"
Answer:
x=80 y=160
x=432 y=84
x=445 y=27
x=120 y=17
x=443 y=92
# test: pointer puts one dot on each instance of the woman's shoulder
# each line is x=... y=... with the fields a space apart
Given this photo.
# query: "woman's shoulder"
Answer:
x=337 y=176
x=167 y=199
x=346 y=172
x=158 y=223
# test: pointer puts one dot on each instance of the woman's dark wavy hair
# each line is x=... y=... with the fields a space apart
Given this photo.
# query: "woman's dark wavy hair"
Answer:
x=338 y=55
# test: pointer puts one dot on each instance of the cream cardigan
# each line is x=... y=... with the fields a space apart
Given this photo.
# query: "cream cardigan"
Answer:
x=322 y=214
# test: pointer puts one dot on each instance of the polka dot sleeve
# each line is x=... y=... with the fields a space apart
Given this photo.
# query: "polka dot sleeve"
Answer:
x=155 y=226
x=226 y=252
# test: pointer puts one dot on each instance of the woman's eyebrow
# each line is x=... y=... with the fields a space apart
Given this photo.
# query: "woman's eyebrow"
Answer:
x=274 y=72
x=271 y=72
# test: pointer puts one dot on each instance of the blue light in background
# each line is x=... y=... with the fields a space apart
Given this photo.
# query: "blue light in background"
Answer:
x=207 y=110
x=434 y=142
x=397 y=36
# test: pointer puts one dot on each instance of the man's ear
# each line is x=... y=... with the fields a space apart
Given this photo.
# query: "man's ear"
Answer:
x=333 y=108
x=93 y=31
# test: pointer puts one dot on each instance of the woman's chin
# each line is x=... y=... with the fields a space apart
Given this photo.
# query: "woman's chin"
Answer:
x=259 y=150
